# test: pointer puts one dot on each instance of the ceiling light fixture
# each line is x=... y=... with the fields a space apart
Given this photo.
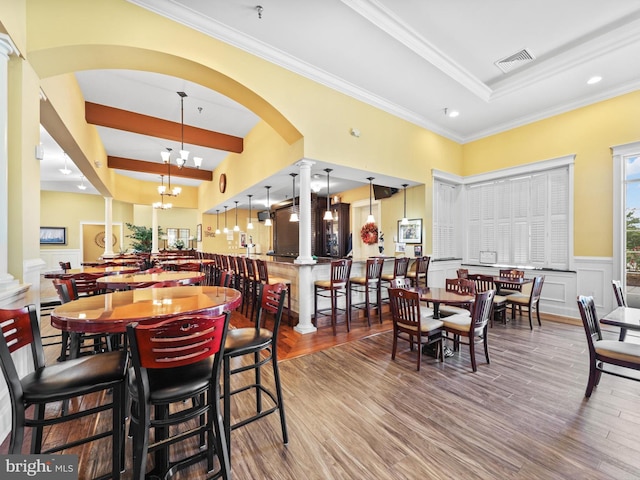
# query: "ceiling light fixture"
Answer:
x=451 y=113
x=226 y=229
x=166 y=191
x=249 y=223
x=370 y=218
x=405 y=220
x=65 y=170
x=184 y=154
x=593 y=80
x=327 y=214
x=259 y=9
x=294 y=215
x=217 y=232
x=236 y=227
x=316 y=184
x=267 y=222
x=82 y=186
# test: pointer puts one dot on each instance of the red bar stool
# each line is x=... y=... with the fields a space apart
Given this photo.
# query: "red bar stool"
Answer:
x=335 y=287
x=369 y=284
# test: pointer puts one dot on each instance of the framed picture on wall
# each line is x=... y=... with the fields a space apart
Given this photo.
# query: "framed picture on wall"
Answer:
x=53 y=235
x=411 y=232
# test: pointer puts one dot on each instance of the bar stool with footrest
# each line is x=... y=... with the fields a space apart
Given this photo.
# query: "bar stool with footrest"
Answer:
x=337 y=286
x=103 y=373
x=369 y=284
x=420 y=271
x=400 y=268
x=262 y=344
x=175 y=361
x=264 y=277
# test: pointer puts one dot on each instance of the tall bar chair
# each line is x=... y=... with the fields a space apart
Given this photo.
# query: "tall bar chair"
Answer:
x=265 y=279
x=400 y=268
x=369 y=284
x=337 y=286
x=420 y=272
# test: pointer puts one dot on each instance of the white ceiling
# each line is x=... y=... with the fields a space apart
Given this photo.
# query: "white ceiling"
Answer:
x=412 y=58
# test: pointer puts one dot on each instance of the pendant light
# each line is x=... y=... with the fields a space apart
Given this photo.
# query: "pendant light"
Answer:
x=218 y=221
x=370 y=218
x=267 y=222
x=82 y=186
x=294 y=215
x=184 y=154
x=65 y=170
x=249 y=223
x=327 y=214
x=226 y=229
x=404 y=220
x=236 y=227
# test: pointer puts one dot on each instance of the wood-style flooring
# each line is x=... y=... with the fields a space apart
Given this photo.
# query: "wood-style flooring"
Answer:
x=353 y=413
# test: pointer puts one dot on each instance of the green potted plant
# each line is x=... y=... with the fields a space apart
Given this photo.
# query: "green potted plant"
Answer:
x=142 y=237
x=179 y=244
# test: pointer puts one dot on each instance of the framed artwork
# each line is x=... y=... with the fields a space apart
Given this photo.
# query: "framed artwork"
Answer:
x=53 y=235
x=417 y=250
x=411 y=232
x=199 y=232
x=243 y=239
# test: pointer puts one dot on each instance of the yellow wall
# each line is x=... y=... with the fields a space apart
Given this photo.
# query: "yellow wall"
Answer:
x=587 y=132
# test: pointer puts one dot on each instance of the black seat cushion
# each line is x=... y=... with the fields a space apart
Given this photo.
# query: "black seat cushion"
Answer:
x=245 y=340
x=75 y=377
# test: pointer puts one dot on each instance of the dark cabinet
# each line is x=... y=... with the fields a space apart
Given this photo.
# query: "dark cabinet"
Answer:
x=336 y=232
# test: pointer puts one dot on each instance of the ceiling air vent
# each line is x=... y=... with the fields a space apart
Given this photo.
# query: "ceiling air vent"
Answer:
x=514 y=61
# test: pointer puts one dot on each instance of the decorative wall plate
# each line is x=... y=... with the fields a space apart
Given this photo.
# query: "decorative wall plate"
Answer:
x=223 y=182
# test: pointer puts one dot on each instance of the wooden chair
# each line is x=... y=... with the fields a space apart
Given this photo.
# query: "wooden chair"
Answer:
x=86 y=284
x=70 y=380
x=603 y=352
x=472 y=327
x=406 y=283
x=531 y=301
x=511 y=273
x=65 y=265
x=462 y=273
x=369 y=284
x=410 y=323
x=260 y=344
x=484 y=283
x=175 y=361
x=462 y=286
x=421 y=271
x=333 y=288
x=400 y=268
x=265 y=278
x=620 y=300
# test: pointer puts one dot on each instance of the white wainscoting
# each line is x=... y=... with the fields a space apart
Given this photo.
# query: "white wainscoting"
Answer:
x=593 y=276
x=52 y=257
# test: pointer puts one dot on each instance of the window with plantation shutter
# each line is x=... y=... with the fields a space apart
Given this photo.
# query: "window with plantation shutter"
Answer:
x=445 y=221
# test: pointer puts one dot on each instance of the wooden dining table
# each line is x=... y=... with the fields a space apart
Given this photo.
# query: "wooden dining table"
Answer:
x=437 y=296
x=112 y=312
x=122 y=282
x=93 y=270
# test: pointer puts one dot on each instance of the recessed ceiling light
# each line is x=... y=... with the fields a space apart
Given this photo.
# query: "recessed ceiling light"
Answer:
x=593 y=80
x=454 y=113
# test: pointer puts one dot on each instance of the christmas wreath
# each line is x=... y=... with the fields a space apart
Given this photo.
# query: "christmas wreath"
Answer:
x=369 y=233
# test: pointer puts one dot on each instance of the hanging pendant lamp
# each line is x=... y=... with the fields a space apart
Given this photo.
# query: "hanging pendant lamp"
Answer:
x=249 y=223
x=236 y=227
x=294 y=215
x=328 y=215
x=217 y=222
x=226 y=229
x=267 y=222
x=404 y=220
x=370 y=218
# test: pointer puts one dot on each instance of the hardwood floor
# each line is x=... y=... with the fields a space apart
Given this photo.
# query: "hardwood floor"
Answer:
x=354 y=413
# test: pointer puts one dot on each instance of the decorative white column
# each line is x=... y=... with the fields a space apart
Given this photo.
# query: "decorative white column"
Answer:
x=6 y=49
x=305 y=259
x=154 y=230
x=108 y=227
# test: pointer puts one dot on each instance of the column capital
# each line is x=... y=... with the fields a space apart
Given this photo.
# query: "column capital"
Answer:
x=6 y=46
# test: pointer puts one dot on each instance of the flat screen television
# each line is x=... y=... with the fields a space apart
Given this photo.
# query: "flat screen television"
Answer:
x=263 y=215
x=380 y=192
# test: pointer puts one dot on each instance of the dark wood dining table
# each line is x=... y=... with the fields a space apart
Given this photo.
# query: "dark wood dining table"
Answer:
x=112 y=312
x=437 y=296
x=122 y=282
x=627 y=318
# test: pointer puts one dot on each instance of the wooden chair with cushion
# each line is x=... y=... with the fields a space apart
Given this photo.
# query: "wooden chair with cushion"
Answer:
x=511 y=273
x=484 y=283
x=527 y=300
x=175 y=361
x=605 y=352
x=621 y=302
x=462 y=286
x=335 y=287
x=400 y=269
x=419 y=271
x=406 y=283
x=370 y=285
x=71 y=380
x=472 y=327
x=259 y=344
x=411 y=324
x=462 y=273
